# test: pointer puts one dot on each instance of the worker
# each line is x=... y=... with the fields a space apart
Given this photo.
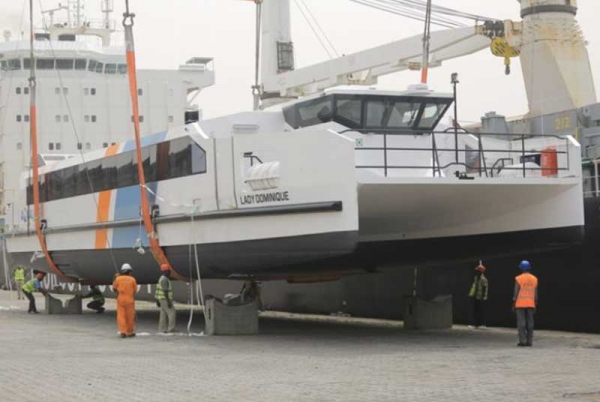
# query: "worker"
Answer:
x=164 y=300
x=479 y=295
x=125 y=286
x=525 y=302
x=30 y=287
x=19 y=281
x=97 y=303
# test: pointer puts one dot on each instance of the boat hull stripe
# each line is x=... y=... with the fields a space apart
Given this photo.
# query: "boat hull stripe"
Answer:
x=102 y=214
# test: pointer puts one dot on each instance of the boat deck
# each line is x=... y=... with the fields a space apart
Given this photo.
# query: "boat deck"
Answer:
x=299 y=358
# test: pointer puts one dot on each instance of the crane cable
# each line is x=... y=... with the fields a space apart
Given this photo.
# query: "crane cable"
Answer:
x=407 y=14
x=417 y=9
x=157 y=252
x=34 y=157
x=314 y=29
x=75 y=133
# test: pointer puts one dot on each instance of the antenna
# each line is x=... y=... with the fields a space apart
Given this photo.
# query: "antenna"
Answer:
x=107 y=8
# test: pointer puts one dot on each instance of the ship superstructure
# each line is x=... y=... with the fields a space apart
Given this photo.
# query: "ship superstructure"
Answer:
x=82 y=94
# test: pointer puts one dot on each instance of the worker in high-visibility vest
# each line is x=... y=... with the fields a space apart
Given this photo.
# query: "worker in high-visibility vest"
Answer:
x=30 y=287
x=125 y=286
x=164 y=300
x=19 y=281
x=97 y=303
x=525 y=302
x=479 y=295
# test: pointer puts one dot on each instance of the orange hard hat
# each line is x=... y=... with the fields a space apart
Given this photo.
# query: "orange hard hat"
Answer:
x=480 y=268
x=165 y=267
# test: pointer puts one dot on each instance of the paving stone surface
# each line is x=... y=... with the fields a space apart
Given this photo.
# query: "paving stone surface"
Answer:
x=75 y=358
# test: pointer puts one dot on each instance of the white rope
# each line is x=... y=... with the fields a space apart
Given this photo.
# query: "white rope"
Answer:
x=198 y=282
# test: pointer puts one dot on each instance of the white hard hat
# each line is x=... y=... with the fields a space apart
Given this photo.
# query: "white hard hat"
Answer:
x=126 y=267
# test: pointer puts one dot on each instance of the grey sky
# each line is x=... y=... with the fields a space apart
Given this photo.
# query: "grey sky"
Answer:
x=169 y=32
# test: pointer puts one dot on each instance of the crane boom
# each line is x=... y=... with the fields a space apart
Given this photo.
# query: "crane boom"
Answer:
x=365 y=67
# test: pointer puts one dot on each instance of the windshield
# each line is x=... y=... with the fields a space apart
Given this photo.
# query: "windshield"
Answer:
x=370 y=112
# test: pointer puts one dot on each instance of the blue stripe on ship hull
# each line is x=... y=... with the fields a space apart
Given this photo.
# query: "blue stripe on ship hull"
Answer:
x=127 y=206
x=128 y=201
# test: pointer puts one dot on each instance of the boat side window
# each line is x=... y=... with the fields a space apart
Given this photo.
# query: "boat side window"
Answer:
x=316 y=111
x=431 y=114
x=290 y=115
x=402 y=114
x=375 y=113
x=70 y=179
x=3 y=65
x=122 y=68
x=99 y=67
x=44 y=64
x=92 y=65
x=167 y=160
x=348 y=111
x=126 y=169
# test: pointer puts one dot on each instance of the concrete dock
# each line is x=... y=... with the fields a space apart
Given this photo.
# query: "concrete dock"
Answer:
x=295 y=358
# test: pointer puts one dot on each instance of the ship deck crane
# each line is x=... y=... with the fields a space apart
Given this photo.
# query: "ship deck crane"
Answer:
x=281 y=81
x=545 y=40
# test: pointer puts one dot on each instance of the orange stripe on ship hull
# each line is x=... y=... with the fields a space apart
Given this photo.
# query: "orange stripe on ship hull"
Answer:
x=104 y=208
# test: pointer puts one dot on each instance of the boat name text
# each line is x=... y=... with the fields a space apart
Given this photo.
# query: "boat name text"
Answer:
x=280 y=196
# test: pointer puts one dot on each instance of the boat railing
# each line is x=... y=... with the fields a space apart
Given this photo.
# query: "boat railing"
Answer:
x=521 y=147
x=591 y=184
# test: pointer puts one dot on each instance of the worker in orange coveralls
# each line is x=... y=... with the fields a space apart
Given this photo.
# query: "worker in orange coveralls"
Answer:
x=125 y=286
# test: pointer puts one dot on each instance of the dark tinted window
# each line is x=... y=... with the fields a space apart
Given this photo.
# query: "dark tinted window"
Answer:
x=44 y=64
x=65 y=64
x=92 y=65
x=122 y=68
x=348 y=111
x=99 y=67
x=315 y=112
x=110 y=68
x=14 y=64
x=80 y=64
x=164 y=161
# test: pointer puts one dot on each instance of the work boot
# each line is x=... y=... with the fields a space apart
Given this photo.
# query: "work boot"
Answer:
x=123 y=336
x=521 y=344
x=131 y=335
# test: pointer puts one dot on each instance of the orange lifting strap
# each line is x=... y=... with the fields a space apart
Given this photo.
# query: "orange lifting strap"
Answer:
x=34 y=159
x=157 y=251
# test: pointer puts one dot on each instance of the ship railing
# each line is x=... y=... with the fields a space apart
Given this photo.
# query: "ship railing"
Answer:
x=591 y=185
x=519 y=147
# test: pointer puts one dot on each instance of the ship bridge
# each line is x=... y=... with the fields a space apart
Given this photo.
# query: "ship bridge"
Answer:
x=371 y=110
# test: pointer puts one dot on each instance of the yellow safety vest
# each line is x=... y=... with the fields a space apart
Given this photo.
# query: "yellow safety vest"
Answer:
x=29 y=287
x=160 y=293
x=19 y=274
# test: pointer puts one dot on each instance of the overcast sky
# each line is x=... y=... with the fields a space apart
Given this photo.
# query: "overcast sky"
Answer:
x=168 y=32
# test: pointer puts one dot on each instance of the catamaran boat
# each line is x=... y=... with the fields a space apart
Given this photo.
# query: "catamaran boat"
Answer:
x=326 y=178
x=350 y=180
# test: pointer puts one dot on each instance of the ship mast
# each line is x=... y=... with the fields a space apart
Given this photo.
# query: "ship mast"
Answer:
x=35 y=184
x=426 y=41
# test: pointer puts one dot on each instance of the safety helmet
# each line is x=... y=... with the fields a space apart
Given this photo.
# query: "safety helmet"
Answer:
x=525 y=265
x=126 y=268
x=165 y=268
x=480 y=268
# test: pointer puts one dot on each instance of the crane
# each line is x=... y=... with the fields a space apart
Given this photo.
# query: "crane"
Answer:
x=545 y=40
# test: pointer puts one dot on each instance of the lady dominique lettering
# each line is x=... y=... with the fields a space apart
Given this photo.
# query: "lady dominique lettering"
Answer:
x=280 y=196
